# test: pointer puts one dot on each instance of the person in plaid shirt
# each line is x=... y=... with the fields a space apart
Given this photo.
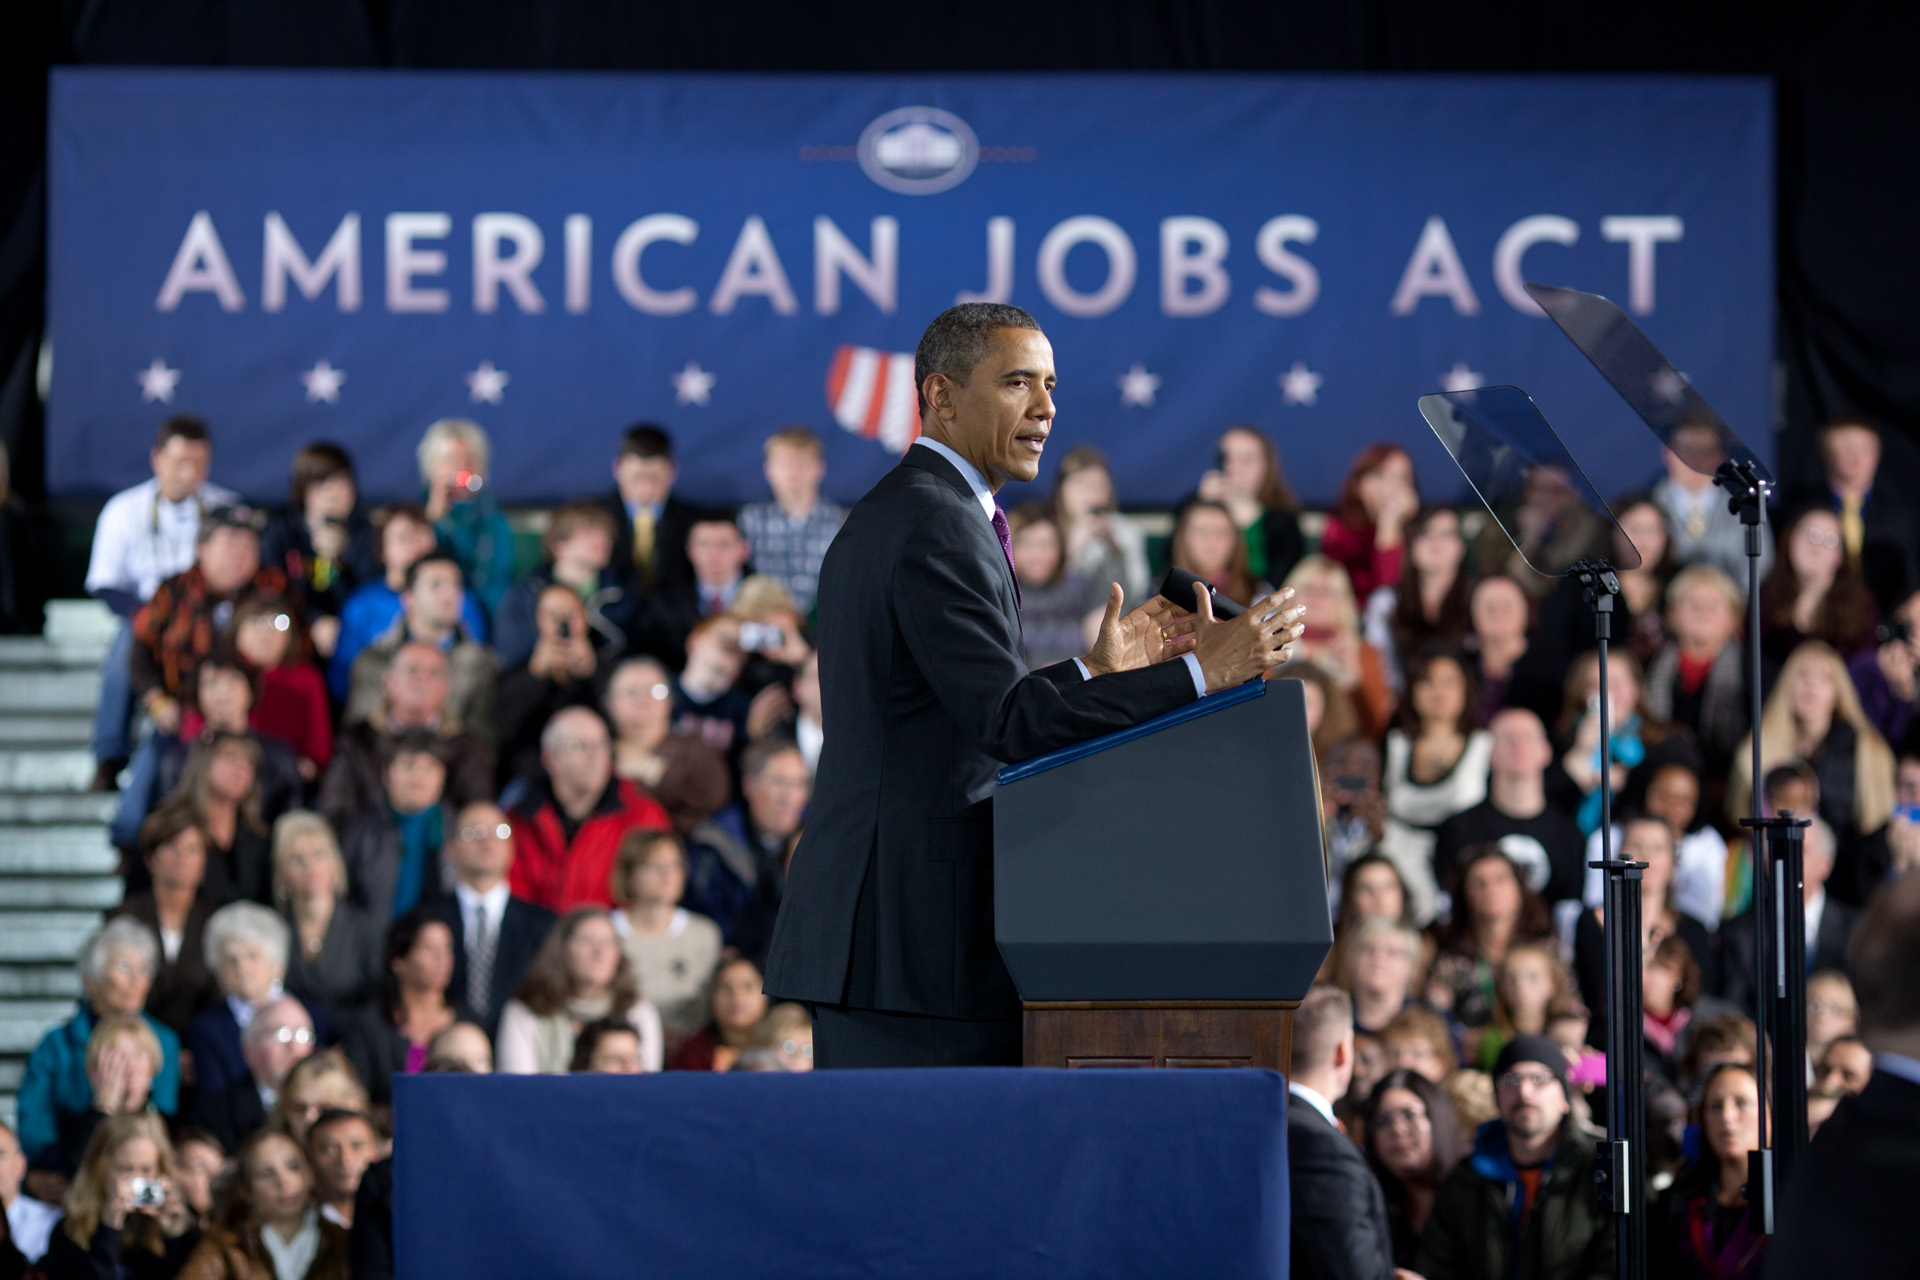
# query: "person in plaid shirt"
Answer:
x=789 y=535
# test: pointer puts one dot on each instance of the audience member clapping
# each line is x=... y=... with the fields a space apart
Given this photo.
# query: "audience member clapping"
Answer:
x=580 y=975
x=176 y=908
x=579 y=547
x=1413 y=1142
x=560 y=672
x=341 y=1145
x=790 y=535
x=495 y=934
x=1102 y=544
x=266 y=633
x=1206 y=544
x=1427 y=606
x=247 y=946
x=404 y=534
x=335 y=957
x=322 y=1081
x=392 y=851
x=279 y=1035
x=1493 y=908
x=1365 y=527
x=735 y=1007
x=1249 y=481
x=267 y=1212
x=1813 y=592
x=124 y=1214
x=321 y=539
x=416 y=1004
x=430 y=614
x=673 y=951
x=455 y=458
x=416 y=687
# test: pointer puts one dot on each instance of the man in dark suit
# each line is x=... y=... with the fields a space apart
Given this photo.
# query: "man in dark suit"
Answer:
x=280 y=1035
x=1339 y=1213
x=1877 y=526
x=1829 y=924
x=1848 y=1205
x=887 y=926
x=495 y=934
x=650 y=524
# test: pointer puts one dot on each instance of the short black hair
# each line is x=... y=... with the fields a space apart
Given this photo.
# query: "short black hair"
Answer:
x=957 y=340
x=316 y=463
x=592 y=1034
x=646 y=440
x=181 y=426
x=435 y=556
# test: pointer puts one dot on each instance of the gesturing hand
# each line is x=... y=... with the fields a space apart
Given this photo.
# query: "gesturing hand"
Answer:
x=1156 y=631
x=1238 y=649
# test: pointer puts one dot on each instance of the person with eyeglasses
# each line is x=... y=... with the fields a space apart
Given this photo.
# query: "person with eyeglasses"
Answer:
x=280 y=1035
x=246 y=947
x=1412 y=1141
x=1521 y=1206
x=688 y=777
x=495 y=934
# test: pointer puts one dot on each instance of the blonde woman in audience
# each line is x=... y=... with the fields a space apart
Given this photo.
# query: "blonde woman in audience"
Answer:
x=1331 y=640
x=1381 y=971
x=1419 y=1040
x=267 y=1225
x=322 y=1081
x=335 y=957
x=673 y=951
x=736 y=1005
x=1531 y=988
x=125 y=1214
x=580 y=975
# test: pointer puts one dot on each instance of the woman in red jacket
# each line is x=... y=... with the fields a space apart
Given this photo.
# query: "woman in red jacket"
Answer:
x=1363 y=532
x=270 y=638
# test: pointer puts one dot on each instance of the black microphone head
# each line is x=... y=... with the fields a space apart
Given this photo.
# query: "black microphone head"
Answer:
x=1178 y=588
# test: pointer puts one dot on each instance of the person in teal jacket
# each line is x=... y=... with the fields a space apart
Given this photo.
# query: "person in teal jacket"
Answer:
x=454 y=456
x=117 y=967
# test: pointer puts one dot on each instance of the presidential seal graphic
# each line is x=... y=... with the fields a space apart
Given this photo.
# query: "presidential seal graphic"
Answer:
x=918 y=151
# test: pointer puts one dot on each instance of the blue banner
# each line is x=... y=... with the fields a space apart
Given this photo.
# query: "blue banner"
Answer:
x=352 y=255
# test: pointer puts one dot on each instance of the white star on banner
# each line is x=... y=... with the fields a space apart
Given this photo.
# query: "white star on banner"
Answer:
x=1137 y=387
x=1300 y=385
x=157 y=382
x=1461 y=378
x=323 y=383
x=485 y=384
x=692 y=385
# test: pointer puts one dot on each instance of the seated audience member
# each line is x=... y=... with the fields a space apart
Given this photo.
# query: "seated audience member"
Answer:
x=1339 y=1216
x=322 y=1081
x=1054 y=598
x=1832 y=1011
x=566 y=832
x=145 y=535
x=787 y=1030
x=123 y=1058
x=1844 y=1067
x=454 y=458
x=392 y=851
x=1436 y=760
x=742 y=895
x=370 y=1242
x=773 y=649
x=1417 y=1039
x=1413 y=1141
x=562 y=671
x=1522 y=1202
x=1427 y=606
x=1512 y=673
x=269 y=1213
x=1331 y=640
x=463 y=1047
x=1530 y=989
x=335 y=957
x=579 y=547
x=1247 y=478
x=1699 y=1227
x=1371 y=886
x=29 y=1222
x=495 y=935
x=279 y=1035
x=1472 y=1096
x=176 y=910
x=1813 y=593
x=321 y=539
x=1102 y=543
x=116 y=965
x=1331 y=718
x=1556 y=528
x=799 y=718
x=719 y=556
x=267 y=634
x=1698 y=679
x=1877 y=527
x=416 y=687
x=607 y=1047
x=1493 y=908
x=1639 y=621
x=673 y=951
x=415 y=1005
x=1700 y=526
x=1666 y=786
x=1206 y=544
x=790 y=535
x=340 y=1146
x=1353 y=809
x=580 y=975
x=1365 y=527
x=650 y=523
x=1539 y=838
x=1722 y=1037
x=1829 y=925
x=709 y=702
x=1888 y=677
x=1650 y=840
x=1632 y=728
x=108 y=1230
x=735 y=1006
x=247 y=946
x=1813 y=715
x=1381 y=972
x=403 y=534
x=221 y=786
x=430 y=615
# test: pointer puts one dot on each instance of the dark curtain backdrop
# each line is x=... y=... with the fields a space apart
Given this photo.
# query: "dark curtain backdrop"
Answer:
x=1849 y=192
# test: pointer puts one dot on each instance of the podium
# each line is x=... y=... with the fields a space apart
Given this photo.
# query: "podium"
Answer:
x=1160 y=894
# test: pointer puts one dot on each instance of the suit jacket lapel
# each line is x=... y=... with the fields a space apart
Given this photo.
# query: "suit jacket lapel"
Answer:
x=934 y=464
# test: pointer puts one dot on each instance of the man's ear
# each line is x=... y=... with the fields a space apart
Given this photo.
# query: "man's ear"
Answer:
x=938 y=393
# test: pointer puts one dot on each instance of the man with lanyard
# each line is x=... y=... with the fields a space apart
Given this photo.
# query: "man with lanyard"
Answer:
x=145 y=535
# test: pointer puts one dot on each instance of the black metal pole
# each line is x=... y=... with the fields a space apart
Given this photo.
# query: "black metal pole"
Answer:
x=1787 y=992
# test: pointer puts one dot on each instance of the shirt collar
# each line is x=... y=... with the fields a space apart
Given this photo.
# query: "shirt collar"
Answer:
x=968 y=472
x=243 y=1012
x=1315 y=1099
x=493 y=901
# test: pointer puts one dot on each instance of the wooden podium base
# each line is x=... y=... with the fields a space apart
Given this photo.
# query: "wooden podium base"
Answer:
x=1159 y=1033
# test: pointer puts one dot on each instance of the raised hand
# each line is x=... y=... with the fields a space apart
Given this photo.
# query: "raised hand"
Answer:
x=1238 y=649
x=1156 y=631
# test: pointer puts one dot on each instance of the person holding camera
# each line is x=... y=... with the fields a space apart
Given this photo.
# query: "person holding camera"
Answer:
x=563 y=670
x=454 y=456
x=126 y=1218
x=321 y=539
x=1887 y=676
x=579 y=547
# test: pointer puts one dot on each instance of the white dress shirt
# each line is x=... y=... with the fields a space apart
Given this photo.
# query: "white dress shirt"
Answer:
x=475 y=906
x=243 y=1012
x=984 y=496
x=141 y=539
x=1816 y=907
x=31 y=1225
x=810 y=737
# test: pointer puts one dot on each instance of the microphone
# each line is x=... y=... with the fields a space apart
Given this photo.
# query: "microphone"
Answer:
x=1178 y=587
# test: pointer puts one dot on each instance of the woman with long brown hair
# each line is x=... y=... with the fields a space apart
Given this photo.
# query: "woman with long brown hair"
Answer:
x=1366 y=526
x=1813 y=592
x=1413 y=1140
x=1249 y=481
x=581 y=974
x=267 y=1224
x=1428 y=604
x=1102 y=544
x=125 y=1214
x=221 y=787
x=1206 y=544
x=1493 y=909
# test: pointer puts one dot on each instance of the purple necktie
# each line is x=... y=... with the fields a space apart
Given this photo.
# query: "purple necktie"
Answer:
x=1006 y=545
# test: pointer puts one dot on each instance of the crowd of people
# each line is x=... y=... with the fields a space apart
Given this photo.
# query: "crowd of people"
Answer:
x=392 y=803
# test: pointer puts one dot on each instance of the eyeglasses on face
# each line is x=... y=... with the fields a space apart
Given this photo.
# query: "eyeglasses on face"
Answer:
x=474 y=835
x=1518 y=1080
x=292 y=1035
x=792 y=1047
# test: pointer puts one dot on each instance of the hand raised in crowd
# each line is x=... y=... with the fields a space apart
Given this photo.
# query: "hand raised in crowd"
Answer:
x=563 y=652
x=768 y=709
x=1154 y=632
x=1237 y=650
x=165 y=714
x=1903 y=843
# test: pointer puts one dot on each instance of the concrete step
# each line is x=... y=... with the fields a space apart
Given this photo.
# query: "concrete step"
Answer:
x=12 y=1070
x=57 y=850
x=54 y=808
x=17 y=652
x=69 y=769
x=41 y=893
x=73 y=692
x=46 y=731
x=47 y=937
x=80 y=623
x=38 y=982
x=23 y=1022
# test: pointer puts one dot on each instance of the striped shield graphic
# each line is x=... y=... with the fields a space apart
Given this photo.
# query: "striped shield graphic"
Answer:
x=871 y=393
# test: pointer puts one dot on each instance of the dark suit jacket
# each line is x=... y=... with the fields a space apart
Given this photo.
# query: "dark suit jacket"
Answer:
x=370 y=846
x=213 y=1038
x=523 y=927
x=927 y=695
x=183 y=986
x=1734 y=964
x=346 y=973
x=1847 y=1209
x=1340 y=1224
x=672 y=570
x=231 y=1113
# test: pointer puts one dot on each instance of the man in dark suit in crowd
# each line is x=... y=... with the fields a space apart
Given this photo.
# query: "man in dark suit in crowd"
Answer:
x=1848 y=1206
x=1877 y=527
x=1339 y=1214
x=1829 y=924
x=279 y=1036
x=650 y=524
x=887 y=927
x=495 y=934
